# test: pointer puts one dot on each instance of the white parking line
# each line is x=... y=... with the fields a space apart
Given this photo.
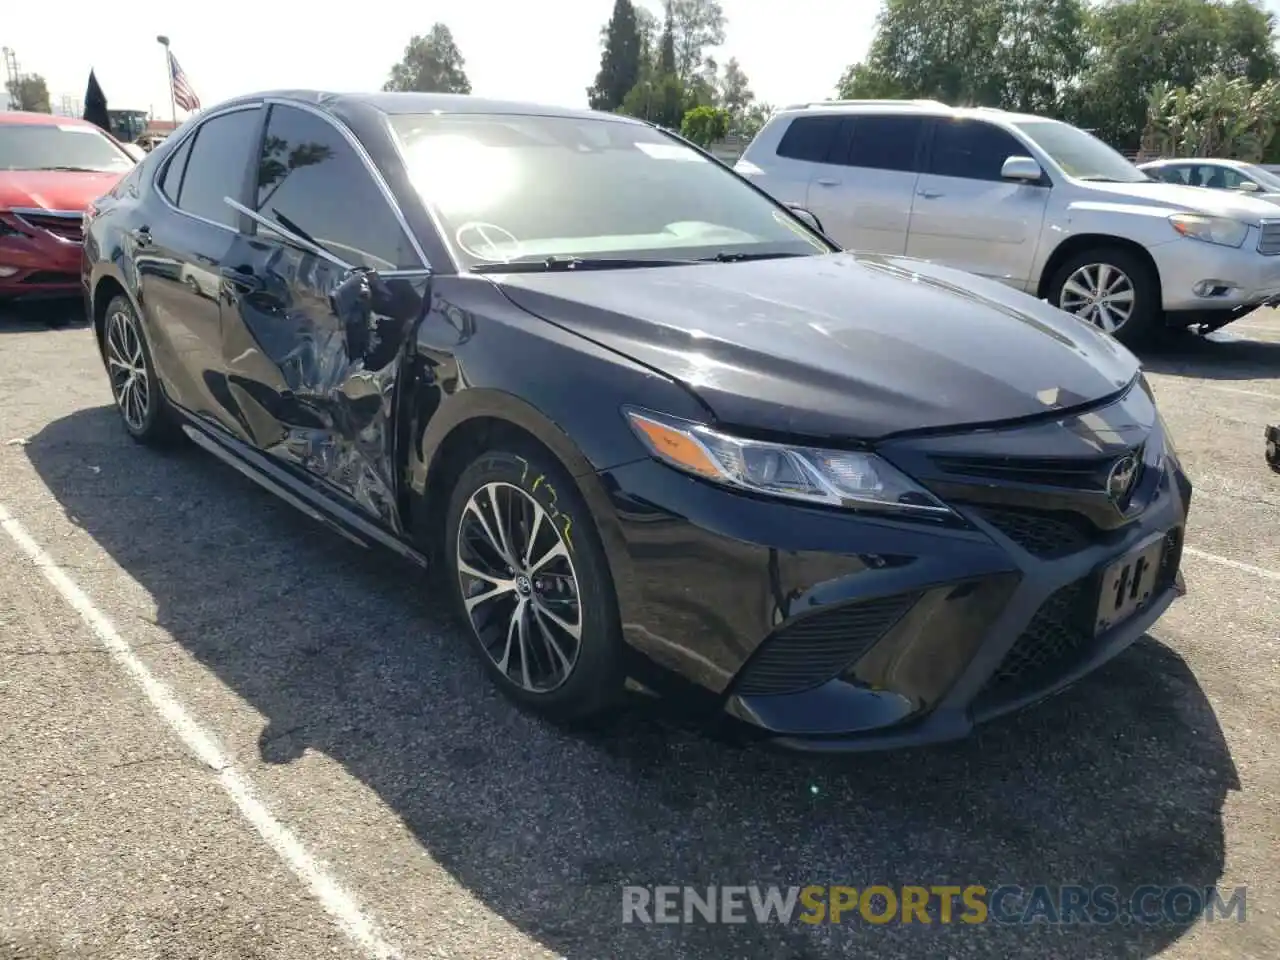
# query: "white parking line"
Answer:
x=1262 y=572
x=341 y=906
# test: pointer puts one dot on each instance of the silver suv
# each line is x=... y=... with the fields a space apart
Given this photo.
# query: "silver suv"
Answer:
x=1038 y=204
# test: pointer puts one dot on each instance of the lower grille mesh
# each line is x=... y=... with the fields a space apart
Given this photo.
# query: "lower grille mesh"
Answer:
x=1044 y=535
x=1056 y=634
x=809 y=652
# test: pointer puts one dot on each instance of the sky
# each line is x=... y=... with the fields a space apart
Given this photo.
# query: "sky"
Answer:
x=545 y=52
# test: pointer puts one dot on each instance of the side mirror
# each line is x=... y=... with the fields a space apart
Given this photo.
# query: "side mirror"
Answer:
x=808 y=216
x=1024 y=169
x=1248 y=186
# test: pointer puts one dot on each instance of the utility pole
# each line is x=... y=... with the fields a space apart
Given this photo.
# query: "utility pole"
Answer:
x=15 y=88
x=168 y=77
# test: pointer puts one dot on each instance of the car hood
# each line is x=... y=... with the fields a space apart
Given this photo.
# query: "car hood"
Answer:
x=1183 y=199
x=53 y=189
x=843 y=345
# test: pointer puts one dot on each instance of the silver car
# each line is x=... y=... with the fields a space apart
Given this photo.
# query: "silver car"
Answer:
x=1214 y=174
x=1035 y=203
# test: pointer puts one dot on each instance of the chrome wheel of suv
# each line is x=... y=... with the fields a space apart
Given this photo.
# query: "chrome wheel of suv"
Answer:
x=1101 y=293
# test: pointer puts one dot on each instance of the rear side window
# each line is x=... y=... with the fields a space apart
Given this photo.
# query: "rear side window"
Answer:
x=217 y=165
x=171 y=179
x=311 y=179
x=809 y=138
x=884 y=143
x=972 y=149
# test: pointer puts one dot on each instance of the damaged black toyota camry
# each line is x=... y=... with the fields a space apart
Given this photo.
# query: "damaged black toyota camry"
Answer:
x=651 y=427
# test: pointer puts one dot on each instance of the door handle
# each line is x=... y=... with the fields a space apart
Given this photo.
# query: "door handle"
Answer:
x=242 y=280
x=826 y=182
x=929 y=194
x=141 y=236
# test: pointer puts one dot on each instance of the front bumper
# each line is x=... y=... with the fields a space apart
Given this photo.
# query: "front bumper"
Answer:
x=1199 y=277
x=36 y=262
x=825 y=631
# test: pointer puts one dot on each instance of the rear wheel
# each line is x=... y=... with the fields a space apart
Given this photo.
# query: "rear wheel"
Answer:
x=532 y=585
x=1112 y=288
x=145 y=412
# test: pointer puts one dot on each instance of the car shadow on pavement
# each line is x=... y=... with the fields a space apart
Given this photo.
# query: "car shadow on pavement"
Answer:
x=1223 y=355
x=1121 y=780
x=29 y=317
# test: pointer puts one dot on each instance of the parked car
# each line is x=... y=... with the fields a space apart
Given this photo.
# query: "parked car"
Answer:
x=1273 y=447
x=1235 y=175
x=648 y=425
x=1033 y=203
x=50 y=169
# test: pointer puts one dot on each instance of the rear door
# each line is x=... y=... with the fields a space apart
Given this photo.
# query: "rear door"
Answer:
x=965 y=214
x=863 y=188
x=313 y=372
x=180 y=245
x=784 y=167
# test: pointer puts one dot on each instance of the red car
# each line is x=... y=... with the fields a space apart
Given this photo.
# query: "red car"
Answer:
x=51 y=169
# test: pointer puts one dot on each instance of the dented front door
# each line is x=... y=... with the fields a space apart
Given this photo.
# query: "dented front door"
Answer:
x=313 y=355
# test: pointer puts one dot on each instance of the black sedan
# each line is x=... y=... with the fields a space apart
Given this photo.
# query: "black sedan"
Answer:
x=652 y=427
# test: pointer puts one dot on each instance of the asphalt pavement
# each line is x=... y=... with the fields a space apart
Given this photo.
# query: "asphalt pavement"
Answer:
x=228 y=733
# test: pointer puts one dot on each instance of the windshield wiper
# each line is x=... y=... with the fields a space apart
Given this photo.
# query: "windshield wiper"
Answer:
x=553 y=264
x=739 y=257
x=62 y=169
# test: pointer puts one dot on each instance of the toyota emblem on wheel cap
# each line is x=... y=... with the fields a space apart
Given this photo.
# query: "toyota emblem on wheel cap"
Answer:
x=1120 y=479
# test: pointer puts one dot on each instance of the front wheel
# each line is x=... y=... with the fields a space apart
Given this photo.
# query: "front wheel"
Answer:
x=532 y=585
x=1113 y=289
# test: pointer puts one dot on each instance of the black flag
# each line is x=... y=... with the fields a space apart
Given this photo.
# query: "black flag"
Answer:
x=95 y=104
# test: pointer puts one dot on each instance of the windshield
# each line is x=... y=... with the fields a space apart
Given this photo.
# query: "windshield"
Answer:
x=1079 y=154
x=514 y=187
x=46 y=146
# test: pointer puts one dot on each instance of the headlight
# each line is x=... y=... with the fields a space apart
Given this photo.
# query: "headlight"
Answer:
x=1220 y=230
x=839 y=478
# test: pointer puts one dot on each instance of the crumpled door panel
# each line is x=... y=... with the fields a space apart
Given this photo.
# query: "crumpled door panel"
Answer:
x=313 y=353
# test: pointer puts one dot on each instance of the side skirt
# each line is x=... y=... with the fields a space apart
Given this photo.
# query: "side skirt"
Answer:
x=258 y=468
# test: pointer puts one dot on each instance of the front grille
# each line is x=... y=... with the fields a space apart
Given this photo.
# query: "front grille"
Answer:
x=809 y=652
x=1049 y=536
x=68 y=228
x=1072 y=473
x=1269 y=240
x=49 y=276
x=1056 y=635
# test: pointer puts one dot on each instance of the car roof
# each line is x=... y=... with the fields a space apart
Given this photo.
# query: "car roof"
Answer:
x=42 y=119
x=934 y=108
x=1210 y=161
x=413 y=103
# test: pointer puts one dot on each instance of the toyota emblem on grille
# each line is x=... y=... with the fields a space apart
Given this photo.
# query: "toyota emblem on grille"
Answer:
x=1120 y=479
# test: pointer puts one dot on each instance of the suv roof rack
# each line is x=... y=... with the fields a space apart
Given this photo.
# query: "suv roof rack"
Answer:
x=853 y=103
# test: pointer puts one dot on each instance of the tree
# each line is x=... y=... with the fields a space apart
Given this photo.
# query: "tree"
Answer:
x=667 y=46
x=659 y=98
x=30 y=92
x=1220 y=116
x=620 y=60
x=431 y=64
x=756 y=116
x=696 y=25
x=705 y=125
x=735 y=90
x=1140 y=44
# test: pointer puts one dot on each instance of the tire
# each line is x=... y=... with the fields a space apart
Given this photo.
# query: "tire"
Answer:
x=145 y=412
x=1125 y=272
x=532 y=481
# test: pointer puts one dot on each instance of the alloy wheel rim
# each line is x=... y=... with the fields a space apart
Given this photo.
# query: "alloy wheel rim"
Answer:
x=1101 y=293
x=127 y=369
x=519 y=587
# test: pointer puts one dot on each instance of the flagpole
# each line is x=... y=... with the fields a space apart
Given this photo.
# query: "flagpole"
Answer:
x=168 y=72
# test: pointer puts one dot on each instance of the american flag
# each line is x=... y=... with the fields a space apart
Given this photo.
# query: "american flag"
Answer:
x=183 y=95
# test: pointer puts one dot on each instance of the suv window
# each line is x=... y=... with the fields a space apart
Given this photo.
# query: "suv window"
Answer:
x=1218 y=178
x=1170 y=174
x=809 y=138
x=884 y=143
x=216 y=166
x=171 y=179
x=309 y=176
x=972 y=149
